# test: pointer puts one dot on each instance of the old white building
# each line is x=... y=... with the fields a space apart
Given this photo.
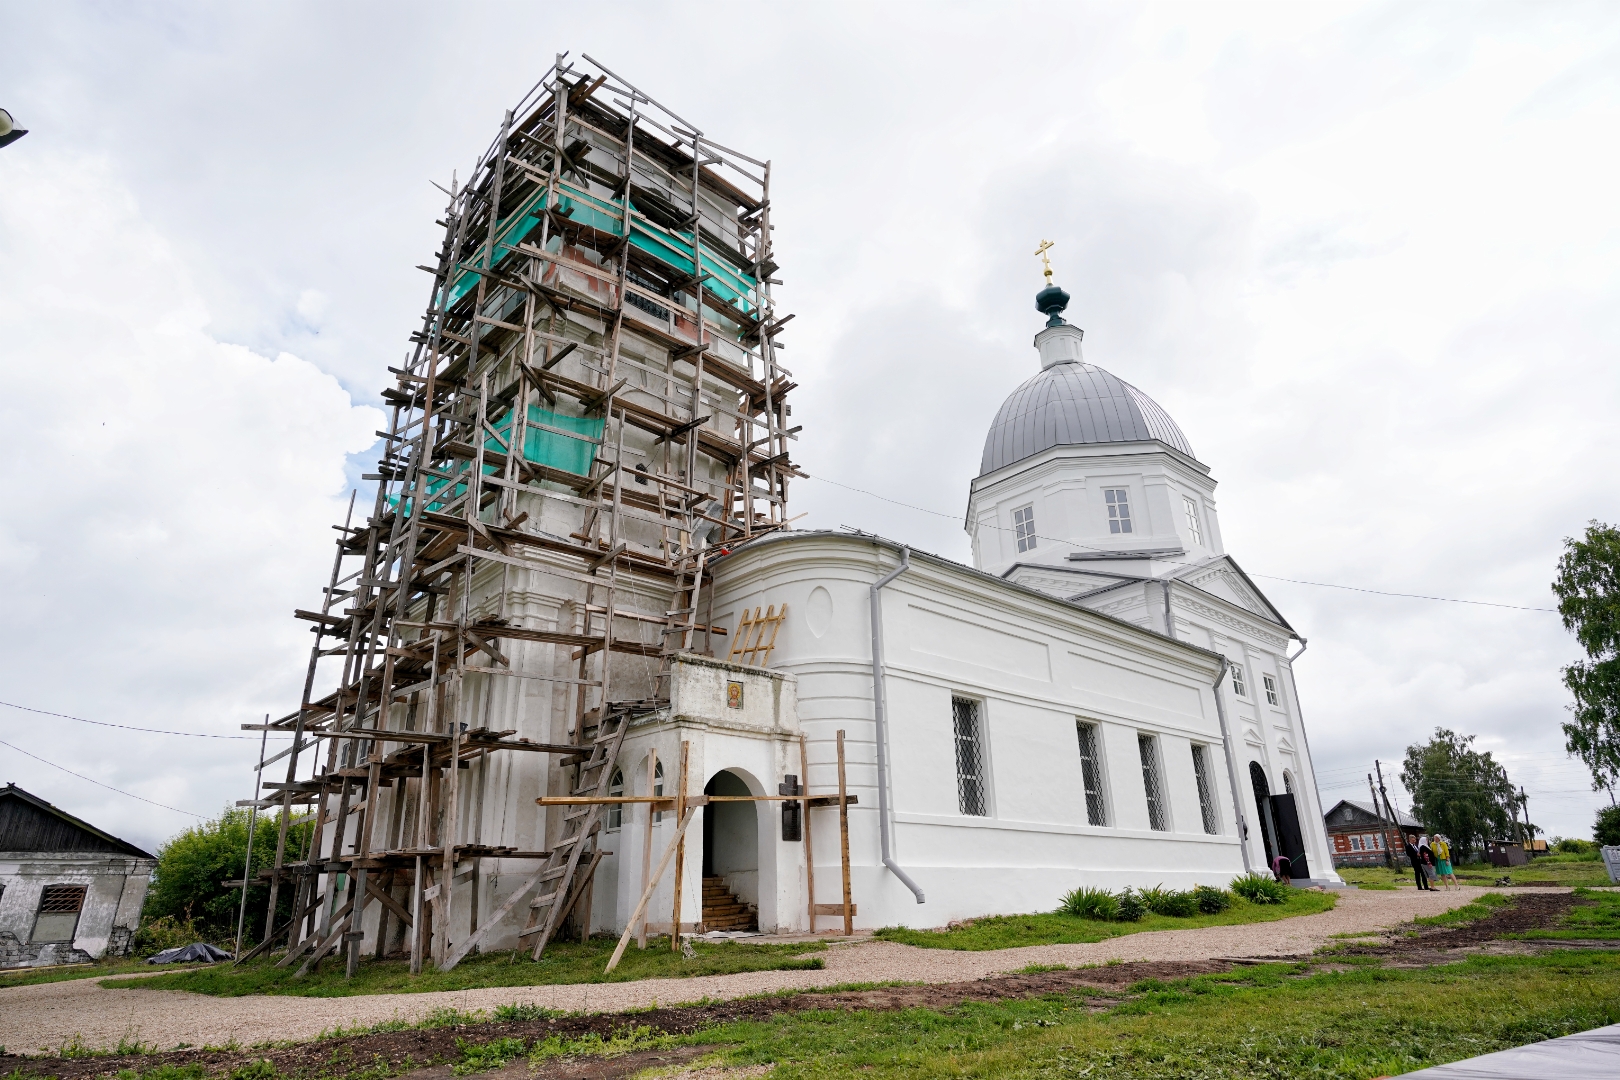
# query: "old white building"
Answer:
x=69 y=892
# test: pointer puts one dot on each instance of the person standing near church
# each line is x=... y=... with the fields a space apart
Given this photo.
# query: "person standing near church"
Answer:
x=1416 y=860
x=1442 y=864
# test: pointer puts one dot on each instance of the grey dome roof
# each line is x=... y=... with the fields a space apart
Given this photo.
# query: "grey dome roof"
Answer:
x=1069 y=404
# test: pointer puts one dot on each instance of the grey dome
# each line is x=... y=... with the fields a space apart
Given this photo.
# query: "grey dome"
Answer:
x=1070 y=404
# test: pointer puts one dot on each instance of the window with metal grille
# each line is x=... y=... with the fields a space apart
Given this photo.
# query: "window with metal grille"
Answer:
x=1149 y=747
x=58 y=915
x=1206 y=789
x=1091 y=773
x=970 y=798
x=1024 y=527
x=1191 y=509
x=1119 y=509
x=1240 y=685
x=615 y=814
x=1271 y=689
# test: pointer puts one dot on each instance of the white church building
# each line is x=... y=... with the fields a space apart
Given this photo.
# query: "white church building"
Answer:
x=1103 y=699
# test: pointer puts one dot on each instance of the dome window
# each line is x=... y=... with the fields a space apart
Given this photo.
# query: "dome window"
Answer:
x=1193 y=530
x=1119 y=509
x=1024 y=527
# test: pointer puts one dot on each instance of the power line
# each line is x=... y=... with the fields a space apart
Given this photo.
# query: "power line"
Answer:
x=1268 y=577
x=125 y=727
x=98 y=783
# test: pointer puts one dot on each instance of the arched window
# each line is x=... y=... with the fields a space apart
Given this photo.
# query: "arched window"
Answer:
x=615 y=810
x=658 y=788
x=1288 y=781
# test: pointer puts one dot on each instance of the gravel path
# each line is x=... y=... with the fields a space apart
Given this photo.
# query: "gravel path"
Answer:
x=41 y=1018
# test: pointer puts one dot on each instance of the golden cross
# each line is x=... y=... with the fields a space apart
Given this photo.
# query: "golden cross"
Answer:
x=1046 y=245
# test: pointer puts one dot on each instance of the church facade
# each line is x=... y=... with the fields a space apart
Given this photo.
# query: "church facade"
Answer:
x=1103 y=699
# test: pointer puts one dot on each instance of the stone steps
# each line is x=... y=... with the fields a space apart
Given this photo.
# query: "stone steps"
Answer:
x=722 y=910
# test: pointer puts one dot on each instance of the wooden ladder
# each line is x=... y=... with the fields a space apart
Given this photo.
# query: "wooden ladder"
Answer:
x=580 y=826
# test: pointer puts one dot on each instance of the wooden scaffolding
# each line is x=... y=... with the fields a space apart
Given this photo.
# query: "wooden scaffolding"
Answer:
x=591 y=409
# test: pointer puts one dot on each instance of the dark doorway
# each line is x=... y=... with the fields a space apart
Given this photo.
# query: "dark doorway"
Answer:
x=1290 y=838
x=1262 y=803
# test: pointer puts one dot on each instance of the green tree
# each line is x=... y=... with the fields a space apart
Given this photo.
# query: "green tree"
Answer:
x=1606 y=829
x=194 y=866
x=1588 y=588
x=1458 y=791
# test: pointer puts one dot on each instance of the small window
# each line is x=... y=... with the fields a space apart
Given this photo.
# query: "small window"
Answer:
x=1091 y=774
x=1191 y=508
x=1270 y=683
x=58 y=915
x=1024 y=527
x=1206 y=789
x=1288 y=781
x=1149 y=747
x=1356 y=843
x=1240 y=686
x=1119 y=509
x=969 y=758
x=615 y=813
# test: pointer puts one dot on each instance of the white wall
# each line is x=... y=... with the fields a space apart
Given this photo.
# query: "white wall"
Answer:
x=1036 y=665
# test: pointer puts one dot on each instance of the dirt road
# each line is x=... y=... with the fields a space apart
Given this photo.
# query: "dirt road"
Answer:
x=42 y=1018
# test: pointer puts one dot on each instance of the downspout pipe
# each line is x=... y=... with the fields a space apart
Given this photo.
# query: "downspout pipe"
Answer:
x=880 y=716
x=1231 y=770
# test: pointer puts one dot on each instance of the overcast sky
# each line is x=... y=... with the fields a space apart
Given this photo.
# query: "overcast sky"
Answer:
x=1364 y=255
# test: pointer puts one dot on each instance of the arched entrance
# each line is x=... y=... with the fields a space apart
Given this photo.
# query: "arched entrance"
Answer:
x=730 y=856
x=1262 y=803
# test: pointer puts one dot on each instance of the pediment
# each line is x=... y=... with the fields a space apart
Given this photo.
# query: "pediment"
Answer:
x=1223 y=578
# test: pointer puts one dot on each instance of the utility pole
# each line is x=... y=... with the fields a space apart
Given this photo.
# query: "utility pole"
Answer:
x=1383 y=829
x=1393 y=819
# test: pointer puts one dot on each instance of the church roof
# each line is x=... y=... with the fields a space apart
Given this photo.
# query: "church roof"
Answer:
x=1076 y=403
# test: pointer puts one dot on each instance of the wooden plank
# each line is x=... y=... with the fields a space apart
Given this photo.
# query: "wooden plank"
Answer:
x=647 y=838
x=680 y=841
x=832 y=909
x=843 y=838
x=809 y=849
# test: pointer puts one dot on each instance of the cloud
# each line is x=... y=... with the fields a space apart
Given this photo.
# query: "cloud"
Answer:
x=165 y=495
x=1364 y=254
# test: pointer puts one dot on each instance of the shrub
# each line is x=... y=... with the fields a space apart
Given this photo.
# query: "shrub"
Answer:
x=164 y=932
x=1171 y=902
x=1128 y=906
x=1572 y=846
x=1210 y=900
x=1090 y=903
x=1260 y=889
x=193 y=865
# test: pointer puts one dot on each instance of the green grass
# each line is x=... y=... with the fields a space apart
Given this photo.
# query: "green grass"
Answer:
x=563 y=962
x=1572 y=870
x=1600 y=922
x=1472 y=912
x=98 y=970
x=1261 y=1022
x=1013 y=931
